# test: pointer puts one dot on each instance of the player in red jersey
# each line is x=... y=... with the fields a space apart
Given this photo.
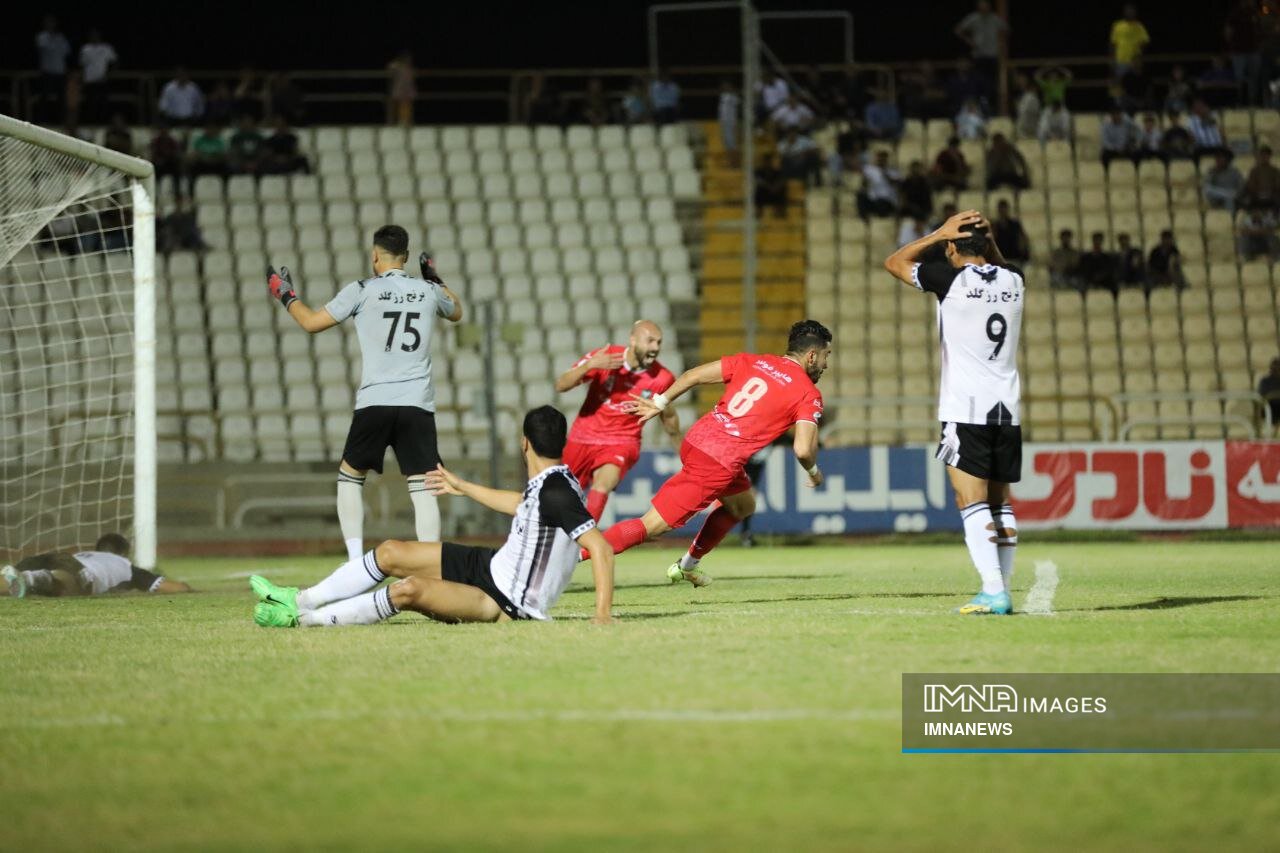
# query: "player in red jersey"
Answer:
x=764 y=396
x=604 y=442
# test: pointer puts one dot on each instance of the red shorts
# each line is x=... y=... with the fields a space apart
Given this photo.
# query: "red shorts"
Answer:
x=701 y=481
x=584 y=459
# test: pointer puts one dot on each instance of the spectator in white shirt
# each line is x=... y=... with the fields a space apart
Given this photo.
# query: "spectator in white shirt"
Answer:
x=911 y=229
x=96 y=58
x=52 y=50
x=1119 y=137
x=879 y=193
x=792 y=115
x=728 y=111
x=773 y=91
x=1027 y=111
x=1055 y=123
x=1206 y=133
x=1149 y=139
x=181 y=101
x=971 y=124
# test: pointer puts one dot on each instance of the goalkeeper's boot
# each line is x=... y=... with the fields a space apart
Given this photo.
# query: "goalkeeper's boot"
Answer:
x=17 y=583
x=988 y=604
x=269 y=614
x=695 y=576
x=286 y=596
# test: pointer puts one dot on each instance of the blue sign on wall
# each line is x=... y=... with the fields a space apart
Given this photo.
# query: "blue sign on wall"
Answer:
x=867 y=490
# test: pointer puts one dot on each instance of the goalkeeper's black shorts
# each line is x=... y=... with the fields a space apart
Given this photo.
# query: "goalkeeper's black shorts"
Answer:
x=408 y=430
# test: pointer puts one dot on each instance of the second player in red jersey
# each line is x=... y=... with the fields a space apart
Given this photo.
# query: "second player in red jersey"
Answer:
x=604 y=442
x=765 y=395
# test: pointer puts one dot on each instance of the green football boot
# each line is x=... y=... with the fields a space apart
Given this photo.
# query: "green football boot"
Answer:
x=17 y=583
x=697 y=577
x=269 y=614
x=984 y=604
x=267 y=591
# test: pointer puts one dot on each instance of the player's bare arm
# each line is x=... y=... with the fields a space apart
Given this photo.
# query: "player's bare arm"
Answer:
x=805 y=447
x=899 y=264
x=281 y=286
x=601 y=556
x=601 y=359
x=169 y=587
x=444 y=482
x=704 y=374
x=671 y=426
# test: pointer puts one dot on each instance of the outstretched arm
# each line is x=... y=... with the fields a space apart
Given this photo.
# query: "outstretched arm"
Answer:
x=601 y=554
x=281 y=286
x=900 y=263
x=805 y=447
x=704 y=374
x=444 y=482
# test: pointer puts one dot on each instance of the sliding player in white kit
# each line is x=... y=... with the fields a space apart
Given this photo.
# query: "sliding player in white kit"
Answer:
x=980 y=300
x=106 y=568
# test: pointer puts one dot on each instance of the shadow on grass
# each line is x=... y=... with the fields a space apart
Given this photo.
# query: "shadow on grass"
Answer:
x=1172 y=602
x=828 y=596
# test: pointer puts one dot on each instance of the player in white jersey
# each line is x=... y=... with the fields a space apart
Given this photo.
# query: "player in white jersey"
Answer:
x=104 y=569
x=980 y=300
x=462 y=583
x=394 y=315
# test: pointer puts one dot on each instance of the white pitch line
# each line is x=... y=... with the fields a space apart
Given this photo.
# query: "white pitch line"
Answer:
x=1040 y=599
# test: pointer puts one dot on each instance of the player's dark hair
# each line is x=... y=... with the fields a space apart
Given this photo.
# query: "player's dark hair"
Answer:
x=393 y=239
x=546 y=430
x=976 y=244
x=807 y=335
x=112 y=543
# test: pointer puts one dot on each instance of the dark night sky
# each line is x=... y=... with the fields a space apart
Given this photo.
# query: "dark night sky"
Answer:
x=547 y=33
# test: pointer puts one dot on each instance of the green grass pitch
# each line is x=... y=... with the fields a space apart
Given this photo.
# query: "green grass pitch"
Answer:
x=760 y=713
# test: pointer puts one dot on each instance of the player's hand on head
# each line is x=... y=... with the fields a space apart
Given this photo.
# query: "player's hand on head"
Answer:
x=443 y=482
x=281 y=285
x=958 y=225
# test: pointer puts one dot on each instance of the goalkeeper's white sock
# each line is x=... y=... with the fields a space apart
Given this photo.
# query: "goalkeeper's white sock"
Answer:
x=1006 y=542
x=980 y=536
x=351 y=512
x=351 y=578
x=361 y=610
x=40 y=581
x=426 y=510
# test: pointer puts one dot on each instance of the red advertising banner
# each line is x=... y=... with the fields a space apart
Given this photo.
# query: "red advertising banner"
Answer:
x=1253 y=484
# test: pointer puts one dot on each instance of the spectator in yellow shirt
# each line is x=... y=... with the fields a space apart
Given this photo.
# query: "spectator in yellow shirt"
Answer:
x=1128 y=39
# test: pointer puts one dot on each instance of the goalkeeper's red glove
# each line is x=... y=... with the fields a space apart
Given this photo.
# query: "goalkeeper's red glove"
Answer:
x=428 y=266
x=281 y=284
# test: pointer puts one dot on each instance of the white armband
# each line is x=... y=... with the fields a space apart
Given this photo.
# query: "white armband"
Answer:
x=812 y=472
x=660 y=401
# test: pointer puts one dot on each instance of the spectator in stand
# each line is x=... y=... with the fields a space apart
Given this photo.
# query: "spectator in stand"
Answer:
x=1131 y=268
x=96 y=58
x=284 y=98
x=664 y=95
x=595 y=103
x=1149 y=140
x=181 y=101
x=1027 y=108
x=117 y=136
x=728 y=111
x=916 y=192
x=1262 y=188
x=1269 y=390
x=1064 y=263
x=950 y=169
x=1206 y=134
x=246 y=147
x=923 y=97
x=912 y=229
x=1217 y=84
x=282 y=155
x=165 y=153
x=1178 y=96
x=1097 y=267
x=542 y=102
x=1055 y=123
x=52 y=50
x=965 y=85
x=983 y=30
x=207 y=155
x=1134 y=88
x=773 y=92
x=1053 y=82
x=801 y=159
x=1256 y=235
x=882 y=119
x=179 y=230
x=771 y=188
x=792 y=114
x=247 y=95
x=220 y=105
x=1177 y=143
x=879 y=193
x=1164 y=264
x=970 y=123
x=1119 y=136
x=1223 y=183
x=1009 y=234
x=1129 y=39
x=1006 y=167
x=402 y=89
x=1242 y=33
x=635 y=106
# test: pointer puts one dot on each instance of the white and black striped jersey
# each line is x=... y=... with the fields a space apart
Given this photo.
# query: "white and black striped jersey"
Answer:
x=979 y=322
x=103 y=571
x=535 y=564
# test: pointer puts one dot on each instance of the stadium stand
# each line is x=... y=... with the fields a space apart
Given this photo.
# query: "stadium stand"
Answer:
x=569 y=235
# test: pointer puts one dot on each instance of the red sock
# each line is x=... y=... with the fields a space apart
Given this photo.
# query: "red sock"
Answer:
x=624 y=535
x=719 y=523
x=595 y=503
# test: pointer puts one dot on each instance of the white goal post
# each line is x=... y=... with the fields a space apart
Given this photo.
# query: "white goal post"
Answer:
x=77 y=238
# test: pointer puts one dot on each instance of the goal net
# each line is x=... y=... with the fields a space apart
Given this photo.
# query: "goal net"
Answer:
x=77 y=345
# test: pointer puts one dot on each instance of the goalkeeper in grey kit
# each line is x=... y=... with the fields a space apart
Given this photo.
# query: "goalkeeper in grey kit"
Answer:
x=394 y=316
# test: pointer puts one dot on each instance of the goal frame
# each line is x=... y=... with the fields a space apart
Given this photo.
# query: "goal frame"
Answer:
x=142 y=185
